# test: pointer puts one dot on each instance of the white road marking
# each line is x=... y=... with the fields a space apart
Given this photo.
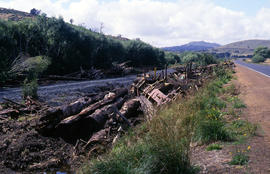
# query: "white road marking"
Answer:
x=254 y=70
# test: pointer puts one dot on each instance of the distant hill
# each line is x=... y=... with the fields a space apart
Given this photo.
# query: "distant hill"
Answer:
x=13 y=15
x=241 y=48
x=192 y=46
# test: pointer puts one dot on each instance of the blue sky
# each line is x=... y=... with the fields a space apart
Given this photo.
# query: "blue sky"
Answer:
x=163 y=22
x=249 y=7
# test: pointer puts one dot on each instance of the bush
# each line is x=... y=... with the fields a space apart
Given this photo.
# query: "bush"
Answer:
x=258 y=59
x=30 y=88
x=202 y=59
x=239 y=159
x=32 y=67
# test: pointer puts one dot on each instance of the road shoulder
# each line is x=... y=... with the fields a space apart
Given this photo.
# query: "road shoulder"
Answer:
x=255 y=92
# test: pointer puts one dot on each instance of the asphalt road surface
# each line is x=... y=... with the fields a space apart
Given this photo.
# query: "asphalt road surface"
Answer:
x=263 y=69
x=67 y=92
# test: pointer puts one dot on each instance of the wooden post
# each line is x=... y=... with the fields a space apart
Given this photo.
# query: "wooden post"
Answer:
x=155 y=72
x=166 y=72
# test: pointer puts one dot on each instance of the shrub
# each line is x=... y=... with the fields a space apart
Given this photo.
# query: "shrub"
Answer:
x=258 y=59
x=30 y=88
x=32 y=67
x=239 y=158
x=213 y=147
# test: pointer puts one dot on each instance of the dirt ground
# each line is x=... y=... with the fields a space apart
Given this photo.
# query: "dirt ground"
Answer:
x=23 y=150
x=255 y=92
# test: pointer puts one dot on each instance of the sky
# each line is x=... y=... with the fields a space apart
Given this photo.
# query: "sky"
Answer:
x=162 y=22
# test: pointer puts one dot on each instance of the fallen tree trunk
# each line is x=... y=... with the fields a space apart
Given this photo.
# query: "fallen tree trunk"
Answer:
x=108 y=99
x=131 y=108
x=54 y=115
x=73 y=128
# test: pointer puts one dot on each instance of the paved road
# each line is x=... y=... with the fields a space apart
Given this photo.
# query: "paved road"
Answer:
x=67 y=92
x=255 y=92
x=264 y=69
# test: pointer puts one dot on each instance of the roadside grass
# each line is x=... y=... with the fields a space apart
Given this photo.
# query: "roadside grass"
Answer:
x=162 y=145
x=239 y=158
x=213 y=147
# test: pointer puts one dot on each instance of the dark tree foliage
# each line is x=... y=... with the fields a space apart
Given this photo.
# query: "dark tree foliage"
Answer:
x=199 y=58
x=35 y=11
x=260 y=54
x=69 y=46
x=172 y=58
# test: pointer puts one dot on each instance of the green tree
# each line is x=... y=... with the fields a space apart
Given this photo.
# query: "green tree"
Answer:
x=260 y=54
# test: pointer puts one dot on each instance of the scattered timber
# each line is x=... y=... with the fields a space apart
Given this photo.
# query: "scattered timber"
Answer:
x=96 y=121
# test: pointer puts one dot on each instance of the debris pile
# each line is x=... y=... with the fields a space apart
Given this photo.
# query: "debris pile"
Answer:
x=96 y=121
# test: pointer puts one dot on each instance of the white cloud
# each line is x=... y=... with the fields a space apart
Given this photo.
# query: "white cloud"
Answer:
x=159 y=23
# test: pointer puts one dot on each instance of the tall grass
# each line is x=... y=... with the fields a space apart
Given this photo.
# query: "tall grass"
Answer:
x=162 y=145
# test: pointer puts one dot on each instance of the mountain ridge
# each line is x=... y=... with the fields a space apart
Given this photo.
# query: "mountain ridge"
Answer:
x=192 y=46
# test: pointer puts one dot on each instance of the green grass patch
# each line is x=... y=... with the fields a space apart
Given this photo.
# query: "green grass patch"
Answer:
x=241 y=127
x=239 y=158
x=212 y=130
x=213 y=147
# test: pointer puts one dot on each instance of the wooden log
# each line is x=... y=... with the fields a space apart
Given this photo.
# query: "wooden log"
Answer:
x=147 y=107
x=96 y=138
x=73 y=128
x=108 y=99
x=54 y=115
x=130 y=108
x=122 y=116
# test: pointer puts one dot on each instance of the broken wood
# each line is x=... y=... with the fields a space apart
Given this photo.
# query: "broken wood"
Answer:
x=13 y=102
x=131 y=108
x=122 y=116
x=10 y=112
x=109 y=98
x=73 y=128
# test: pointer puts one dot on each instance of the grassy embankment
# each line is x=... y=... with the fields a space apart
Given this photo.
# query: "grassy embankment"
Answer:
x=162 y=145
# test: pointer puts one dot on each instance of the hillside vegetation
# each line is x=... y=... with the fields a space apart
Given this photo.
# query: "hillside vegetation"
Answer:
x=69 y=47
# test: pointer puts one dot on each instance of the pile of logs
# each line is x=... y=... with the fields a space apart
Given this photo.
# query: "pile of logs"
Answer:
x=98 y=120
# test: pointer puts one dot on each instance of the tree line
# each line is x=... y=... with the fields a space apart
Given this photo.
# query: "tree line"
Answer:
x=70 y=47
